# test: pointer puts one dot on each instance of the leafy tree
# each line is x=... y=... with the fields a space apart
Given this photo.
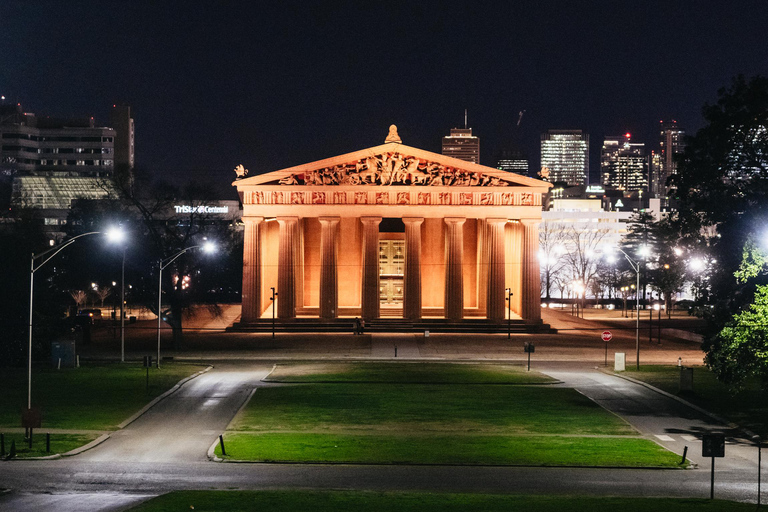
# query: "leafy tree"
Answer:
x=722 y=185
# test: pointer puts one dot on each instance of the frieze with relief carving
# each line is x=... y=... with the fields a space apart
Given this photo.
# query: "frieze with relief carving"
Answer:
x=395 y=197
x=394 y=169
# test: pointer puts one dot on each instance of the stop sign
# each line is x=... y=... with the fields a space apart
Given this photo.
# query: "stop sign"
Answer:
x=607 y=335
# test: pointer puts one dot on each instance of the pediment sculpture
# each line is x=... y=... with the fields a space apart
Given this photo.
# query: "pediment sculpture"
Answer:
x=393 y=169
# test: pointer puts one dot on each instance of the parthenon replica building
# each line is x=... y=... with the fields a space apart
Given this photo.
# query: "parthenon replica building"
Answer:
x=391 y=231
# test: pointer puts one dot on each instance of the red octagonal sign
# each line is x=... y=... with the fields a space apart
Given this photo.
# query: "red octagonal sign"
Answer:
x=607 y=335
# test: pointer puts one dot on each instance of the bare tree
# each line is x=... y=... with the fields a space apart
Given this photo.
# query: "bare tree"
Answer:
x=552 y=246
x=583 y=255
x=79 y=296
x=103 y=293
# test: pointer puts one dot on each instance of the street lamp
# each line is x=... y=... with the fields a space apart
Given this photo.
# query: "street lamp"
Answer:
x=509 y=312
x=207 y=247
x=117 y=236
x=636 y=267
x=53 y=251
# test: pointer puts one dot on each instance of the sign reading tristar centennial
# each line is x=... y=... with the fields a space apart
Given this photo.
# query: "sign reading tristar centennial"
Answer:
x=185 y=208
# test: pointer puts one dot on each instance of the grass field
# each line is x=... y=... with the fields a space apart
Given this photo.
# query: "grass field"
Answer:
x=343 y=501
x=748 y=408
x=86 y=398
x=422 y=373
x=472 y=420
x=60 y=443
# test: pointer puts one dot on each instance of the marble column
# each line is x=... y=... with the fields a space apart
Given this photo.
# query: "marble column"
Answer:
x=412 y=278
x=370 y=289
x=515 y=265
x=531 y=303
x=496 y=298
x=454 y=268
x=286 y=266
x=329 y=287
x=251 y=296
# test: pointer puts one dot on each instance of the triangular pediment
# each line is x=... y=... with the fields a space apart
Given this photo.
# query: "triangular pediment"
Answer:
x=392 y=164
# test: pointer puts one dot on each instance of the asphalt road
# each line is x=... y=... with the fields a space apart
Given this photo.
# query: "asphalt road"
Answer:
x=165 y=450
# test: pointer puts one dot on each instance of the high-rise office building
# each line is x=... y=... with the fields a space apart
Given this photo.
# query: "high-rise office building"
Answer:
x=565 y=156
x=663 y=163
x=624 y=164
x=122 y=121
x=463 y=145
x=513 y=160
x=51 y=162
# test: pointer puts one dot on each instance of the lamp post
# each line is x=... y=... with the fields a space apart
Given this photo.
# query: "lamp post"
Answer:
x=53 y=251
x=636 y=267
x=509 y=313
x=117 y=236
x=274 y=294
x=162 y=264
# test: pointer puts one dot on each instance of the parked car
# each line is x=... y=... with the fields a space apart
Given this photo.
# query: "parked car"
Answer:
x=93 y=314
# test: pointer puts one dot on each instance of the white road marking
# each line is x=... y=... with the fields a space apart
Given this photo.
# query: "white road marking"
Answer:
x=664 y=438
x=689 y=438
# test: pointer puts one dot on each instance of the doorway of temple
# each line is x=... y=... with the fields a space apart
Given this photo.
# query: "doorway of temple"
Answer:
x=391 y=271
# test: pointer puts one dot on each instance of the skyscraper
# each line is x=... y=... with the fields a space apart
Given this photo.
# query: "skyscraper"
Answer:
x=463 y=145
x=565 y=156
x=513 y=160
x=663 y=164
x=623 y=164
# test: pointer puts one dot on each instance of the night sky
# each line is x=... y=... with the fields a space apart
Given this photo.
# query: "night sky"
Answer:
x=271 y=85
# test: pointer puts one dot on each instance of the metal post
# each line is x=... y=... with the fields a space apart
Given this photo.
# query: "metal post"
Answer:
x=159 y=307
x=712 y=481
x=29 y=362
x=509 y=313
x=122 y=312
x=637 y=320
x=650 y=325
x=274 y=294
x=659 y=325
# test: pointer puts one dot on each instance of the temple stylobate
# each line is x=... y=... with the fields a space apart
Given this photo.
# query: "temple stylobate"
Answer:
x=391 y=231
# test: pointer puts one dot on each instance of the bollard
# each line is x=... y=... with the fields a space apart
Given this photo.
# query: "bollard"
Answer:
x=30 y=438
x=685 y=453
x=395 y=350
x=12 y=453
x=59 y=365
x=221 y=442
x=2 y=445
x=47 y=442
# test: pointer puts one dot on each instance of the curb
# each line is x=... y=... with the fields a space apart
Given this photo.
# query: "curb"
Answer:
x=211 y=451
x=695 y=407
x=157 y=399
x=95 y=442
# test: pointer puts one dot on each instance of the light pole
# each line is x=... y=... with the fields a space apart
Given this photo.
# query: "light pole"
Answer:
x=509 y=313
x=117 y=236
x=162 y=264
x=274 y=294
x=636 y=267
x=53 y=251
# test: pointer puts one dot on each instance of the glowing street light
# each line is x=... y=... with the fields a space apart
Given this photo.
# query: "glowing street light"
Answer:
x=636 y=267
x=50 y=253
x=116 y=236
x=207 y=247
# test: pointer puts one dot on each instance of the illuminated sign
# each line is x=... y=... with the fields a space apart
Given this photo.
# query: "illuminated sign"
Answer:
x=185 y=208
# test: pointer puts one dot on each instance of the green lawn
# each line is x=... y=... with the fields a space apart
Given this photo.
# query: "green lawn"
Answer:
x=450 y=449
x=60 y=443
x=747 y=408
x=352 y=501
x=88 y=398
x=339 y=415
x=417 y=407
x=422 y=373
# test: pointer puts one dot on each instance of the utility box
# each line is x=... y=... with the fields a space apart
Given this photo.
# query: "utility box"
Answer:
x=620 y=362
x=64 y=350
x=686 y=379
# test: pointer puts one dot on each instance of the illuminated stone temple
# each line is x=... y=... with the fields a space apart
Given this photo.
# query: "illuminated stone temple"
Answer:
x=391 y=231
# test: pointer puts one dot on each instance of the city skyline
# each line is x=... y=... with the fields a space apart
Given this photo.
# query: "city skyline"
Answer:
x=217 y=86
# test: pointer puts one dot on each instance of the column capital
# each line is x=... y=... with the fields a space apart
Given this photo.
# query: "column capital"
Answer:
x=455 y=220
x=370 y=220
x=530 y=222
x=254 y=220
x=328 y=219
x=413 y=220
x=496 y=221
